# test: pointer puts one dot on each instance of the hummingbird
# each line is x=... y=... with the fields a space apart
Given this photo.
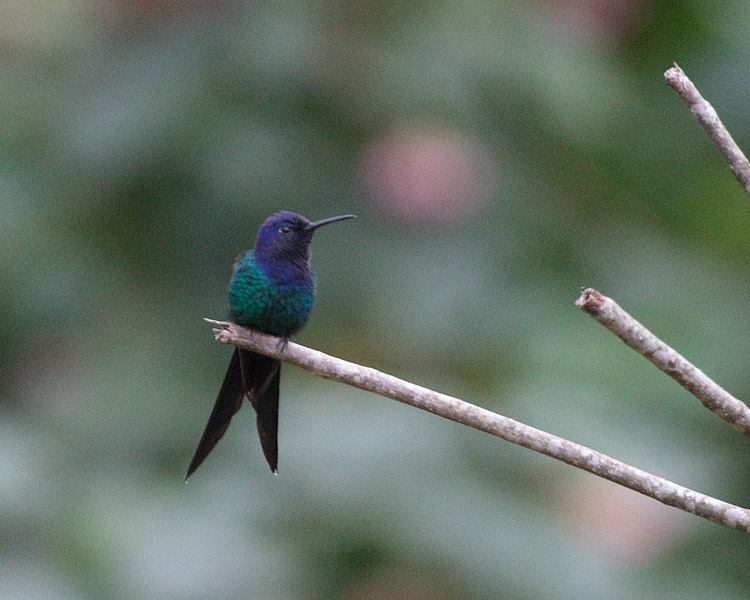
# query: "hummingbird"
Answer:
x=272 y=289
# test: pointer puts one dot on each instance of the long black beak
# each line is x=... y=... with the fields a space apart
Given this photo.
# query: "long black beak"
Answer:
x=322 y=222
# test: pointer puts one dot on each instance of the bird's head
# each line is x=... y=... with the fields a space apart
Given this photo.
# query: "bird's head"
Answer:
x=286 y=236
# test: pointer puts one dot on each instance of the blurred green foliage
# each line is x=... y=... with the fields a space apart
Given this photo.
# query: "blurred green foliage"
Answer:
x=500 y=155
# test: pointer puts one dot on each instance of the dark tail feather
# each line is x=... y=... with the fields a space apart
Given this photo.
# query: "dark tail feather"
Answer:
x=261 y=376
x=268 y=421
x=227 y=403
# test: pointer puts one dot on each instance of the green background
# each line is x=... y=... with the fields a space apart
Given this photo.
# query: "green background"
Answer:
x=499 y=156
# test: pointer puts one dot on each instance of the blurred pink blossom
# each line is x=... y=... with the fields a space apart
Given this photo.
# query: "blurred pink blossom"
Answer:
x=426 y=175
x=603 y=21
x=629 y=527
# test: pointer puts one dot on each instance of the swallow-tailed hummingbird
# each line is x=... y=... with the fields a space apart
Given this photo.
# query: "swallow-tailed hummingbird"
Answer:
x=272 y=289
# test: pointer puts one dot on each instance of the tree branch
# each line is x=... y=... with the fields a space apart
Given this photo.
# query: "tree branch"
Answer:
x=710 y=121
x=711 y=394
x=371 y=380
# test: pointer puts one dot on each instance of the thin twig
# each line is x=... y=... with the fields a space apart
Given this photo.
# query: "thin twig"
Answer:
x=711 y=394
x=508 y=429
x=710 y=121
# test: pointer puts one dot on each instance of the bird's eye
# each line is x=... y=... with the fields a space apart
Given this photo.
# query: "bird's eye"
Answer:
x=284 y=229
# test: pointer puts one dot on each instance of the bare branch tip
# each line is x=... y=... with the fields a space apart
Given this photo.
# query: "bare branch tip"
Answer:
x=223 y=336
x=215 y=322
x=675 y=77
x=674 y=69
x=590 y=300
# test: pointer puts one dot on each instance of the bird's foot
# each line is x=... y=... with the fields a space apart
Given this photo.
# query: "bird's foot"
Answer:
x=282 y=344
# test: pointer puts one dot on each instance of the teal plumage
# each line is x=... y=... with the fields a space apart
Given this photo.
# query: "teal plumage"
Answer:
x=272 y=289
x=280 y=309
